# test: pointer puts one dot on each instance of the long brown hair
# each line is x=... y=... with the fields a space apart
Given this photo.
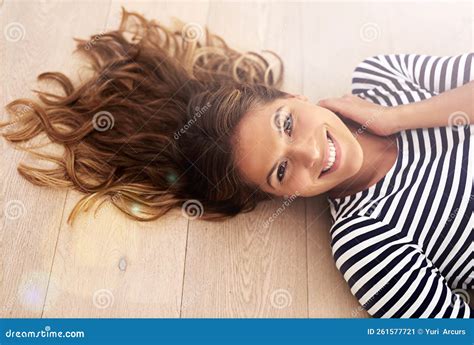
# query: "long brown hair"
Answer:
x=153 y=127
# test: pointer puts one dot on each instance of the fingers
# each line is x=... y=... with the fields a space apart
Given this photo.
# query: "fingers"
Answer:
x=334 y=100
x=330 y=103
x=326 y=101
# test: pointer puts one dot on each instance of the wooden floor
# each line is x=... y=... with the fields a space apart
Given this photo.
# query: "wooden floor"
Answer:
x=110 y=266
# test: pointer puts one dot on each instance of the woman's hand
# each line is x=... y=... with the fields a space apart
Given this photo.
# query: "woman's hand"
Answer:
x=378 y=119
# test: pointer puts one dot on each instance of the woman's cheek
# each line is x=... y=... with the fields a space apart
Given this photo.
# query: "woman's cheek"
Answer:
x=301 y=184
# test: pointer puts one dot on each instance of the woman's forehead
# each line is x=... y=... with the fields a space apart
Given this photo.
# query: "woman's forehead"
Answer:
x=255 y=140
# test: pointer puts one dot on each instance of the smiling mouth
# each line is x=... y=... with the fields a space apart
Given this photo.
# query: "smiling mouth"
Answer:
x=330 y=156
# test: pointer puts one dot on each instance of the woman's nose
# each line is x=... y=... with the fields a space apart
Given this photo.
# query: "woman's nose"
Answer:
x=308 y=152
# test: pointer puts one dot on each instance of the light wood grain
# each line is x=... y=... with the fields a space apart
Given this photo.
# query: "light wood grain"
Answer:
x=240 y=268
x=28 y=238
x=114 y=266
x=243 y=269
x=110 y=266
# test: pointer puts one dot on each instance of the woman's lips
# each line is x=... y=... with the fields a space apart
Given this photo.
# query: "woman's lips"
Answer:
x=335 y=165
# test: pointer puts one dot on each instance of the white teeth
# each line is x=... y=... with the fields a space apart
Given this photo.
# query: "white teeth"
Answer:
x=332 y=155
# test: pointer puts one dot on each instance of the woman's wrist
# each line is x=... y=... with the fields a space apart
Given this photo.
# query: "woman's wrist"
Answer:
x=396 y=116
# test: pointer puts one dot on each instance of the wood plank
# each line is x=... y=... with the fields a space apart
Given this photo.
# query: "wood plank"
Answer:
x=239 y=268
x=113 y=266
x=338 y=35
x=110 y=266
x=38 y=40
x=163 y=11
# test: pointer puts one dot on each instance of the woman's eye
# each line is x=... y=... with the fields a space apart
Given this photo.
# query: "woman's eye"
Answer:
x=281 y=171
x=288 y=124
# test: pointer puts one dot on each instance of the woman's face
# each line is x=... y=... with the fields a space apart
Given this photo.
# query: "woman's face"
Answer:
x=283 y=148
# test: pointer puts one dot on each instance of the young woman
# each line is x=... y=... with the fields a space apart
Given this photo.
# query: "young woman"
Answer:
x=167 y=120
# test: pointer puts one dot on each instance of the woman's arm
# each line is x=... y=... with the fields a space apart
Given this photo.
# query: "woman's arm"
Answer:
x=452 y=107
x=407 y=91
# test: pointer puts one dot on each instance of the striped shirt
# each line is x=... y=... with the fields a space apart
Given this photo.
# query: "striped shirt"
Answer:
x=405 y=244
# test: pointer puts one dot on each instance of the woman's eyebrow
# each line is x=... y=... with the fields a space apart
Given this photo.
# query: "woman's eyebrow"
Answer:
x=274 y=117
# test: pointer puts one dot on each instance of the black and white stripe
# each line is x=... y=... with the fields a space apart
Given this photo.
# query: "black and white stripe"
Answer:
x=405 y=244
